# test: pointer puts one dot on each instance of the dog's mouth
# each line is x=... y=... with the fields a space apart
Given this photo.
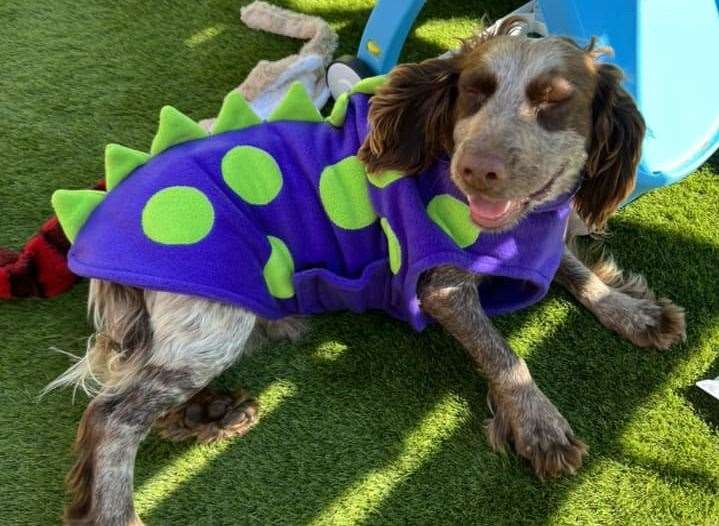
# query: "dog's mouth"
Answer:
x=497 y=214
x=493 y=214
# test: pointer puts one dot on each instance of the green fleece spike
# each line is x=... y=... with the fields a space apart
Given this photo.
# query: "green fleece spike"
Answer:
x=339 y=111
x=73 y=207
x=296 y=106
x=175 y=128
x=235 y=114
x=369 y=85
x=120 y=161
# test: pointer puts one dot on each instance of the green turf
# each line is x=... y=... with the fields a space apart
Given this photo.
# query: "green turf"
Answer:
x=364 y=422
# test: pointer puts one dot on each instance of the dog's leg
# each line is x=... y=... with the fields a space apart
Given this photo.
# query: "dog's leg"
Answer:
x=193 y=341
x=212 y=415
x=522 y=413
x=624 y=305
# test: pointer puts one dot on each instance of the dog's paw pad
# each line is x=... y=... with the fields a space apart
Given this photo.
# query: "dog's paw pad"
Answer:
x=236 y=420
x=291 y=328
x=210 y=416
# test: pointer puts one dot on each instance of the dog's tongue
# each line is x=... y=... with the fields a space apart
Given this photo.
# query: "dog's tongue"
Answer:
x=482 y=208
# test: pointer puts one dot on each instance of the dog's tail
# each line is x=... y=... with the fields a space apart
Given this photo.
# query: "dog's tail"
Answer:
x=122 y=331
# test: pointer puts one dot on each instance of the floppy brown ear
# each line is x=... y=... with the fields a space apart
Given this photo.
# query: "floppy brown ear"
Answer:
x=411 y=117
x=614 y=151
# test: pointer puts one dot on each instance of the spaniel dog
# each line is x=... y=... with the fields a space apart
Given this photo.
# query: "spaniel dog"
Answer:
x=523 y=121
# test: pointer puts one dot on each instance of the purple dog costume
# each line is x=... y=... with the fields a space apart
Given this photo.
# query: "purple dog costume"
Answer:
x=281 y=218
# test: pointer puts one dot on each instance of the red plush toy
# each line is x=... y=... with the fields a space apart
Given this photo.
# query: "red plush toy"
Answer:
x=40 y=268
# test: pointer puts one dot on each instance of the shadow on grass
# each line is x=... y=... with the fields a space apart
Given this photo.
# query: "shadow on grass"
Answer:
x=345 y=428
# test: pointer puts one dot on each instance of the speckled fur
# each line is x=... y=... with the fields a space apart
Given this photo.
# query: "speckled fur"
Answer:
x=190 y=342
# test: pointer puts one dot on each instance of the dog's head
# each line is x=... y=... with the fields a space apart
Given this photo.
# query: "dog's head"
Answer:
x=525 y=120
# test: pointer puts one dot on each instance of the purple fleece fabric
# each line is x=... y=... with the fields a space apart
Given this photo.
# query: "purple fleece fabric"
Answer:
x=334 y=268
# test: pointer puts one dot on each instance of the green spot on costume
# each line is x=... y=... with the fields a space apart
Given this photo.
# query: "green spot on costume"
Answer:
x=344 y=194
x=252 y=174
x=452 y=216
x=177 y=215
x=279 y=270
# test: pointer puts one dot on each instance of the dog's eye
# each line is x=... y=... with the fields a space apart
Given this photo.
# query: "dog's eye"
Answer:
x=551 y=92
x=472 y=98
x=479 y=86
x=477 y=94
x=559 y=91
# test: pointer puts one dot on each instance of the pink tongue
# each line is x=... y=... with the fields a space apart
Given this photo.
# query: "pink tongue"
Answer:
x=486 y=209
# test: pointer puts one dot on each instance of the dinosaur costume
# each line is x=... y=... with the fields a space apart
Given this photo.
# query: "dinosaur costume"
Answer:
x=281 y=218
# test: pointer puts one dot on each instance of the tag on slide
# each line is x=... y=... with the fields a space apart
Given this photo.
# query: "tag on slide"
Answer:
x=710 y=386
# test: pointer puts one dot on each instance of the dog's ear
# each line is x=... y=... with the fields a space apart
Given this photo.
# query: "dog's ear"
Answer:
x=411 y=117
x=614 y=150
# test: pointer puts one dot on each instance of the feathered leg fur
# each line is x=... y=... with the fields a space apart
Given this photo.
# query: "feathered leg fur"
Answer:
x=622 y=302
x=152 y=352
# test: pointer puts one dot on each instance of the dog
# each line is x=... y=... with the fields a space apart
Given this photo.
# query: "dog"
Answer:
x=523 y=121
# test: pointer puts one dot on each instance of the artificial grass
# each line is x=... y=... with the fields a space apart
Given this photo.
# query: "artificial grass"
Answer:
x=364 y=422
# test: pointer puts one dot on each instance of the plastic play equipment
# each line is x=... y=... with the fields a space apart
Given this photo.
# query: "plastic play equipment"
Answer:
x=666 y=49
x=382 y=40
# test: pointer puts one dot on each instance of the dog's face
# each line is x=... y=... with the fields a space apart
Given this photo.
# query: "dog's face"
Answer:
x=524 y=121
x=522 y=125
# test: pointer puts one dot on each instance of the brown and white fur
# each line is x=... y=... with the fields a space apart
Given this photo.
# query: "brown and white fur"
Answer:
x=524 y=121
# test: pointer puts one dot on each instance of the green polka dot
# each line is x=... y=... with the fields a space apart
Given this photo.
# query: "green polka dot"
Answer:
x=345 y=195
x=252 y=173
x=383 y=179
x=279 y=270
x=452 y=216
x=393 y=246
x=178 y=215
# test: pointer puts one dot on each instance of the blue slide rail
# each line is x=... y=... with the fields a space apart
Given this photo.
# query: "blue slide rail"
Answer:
x=386 y=31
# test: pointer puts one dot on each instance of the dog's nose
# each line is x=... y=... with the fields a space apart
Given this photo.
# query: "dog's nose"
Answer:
x=481 y=170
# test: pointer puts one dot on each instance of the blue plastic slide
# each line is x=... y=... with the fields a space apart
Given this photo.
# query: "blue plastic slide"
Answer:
x=667 y=49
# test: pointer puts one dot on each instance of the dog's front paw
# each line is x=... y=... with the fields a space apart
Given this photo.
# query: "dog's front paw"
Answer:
x=538 y=432
x=644 y=321
x=662 y=324
x=209 y=417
